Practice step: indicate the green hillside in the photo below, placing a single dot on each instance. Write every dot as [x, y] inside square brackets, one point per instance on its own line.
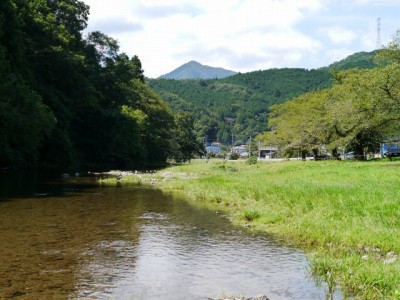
[235, 107]
[361, 60]
[230, 109]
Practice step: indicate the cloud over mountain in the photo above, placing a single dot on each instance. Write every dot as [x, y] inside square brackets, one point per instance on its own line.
[243, 34]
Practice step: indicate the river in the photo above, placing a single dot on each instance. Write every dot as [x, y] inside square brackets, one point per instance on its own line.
[70, 238]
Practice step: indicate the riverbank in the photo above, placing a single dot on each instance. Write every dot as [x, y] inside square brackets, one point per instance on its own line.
[345, 214]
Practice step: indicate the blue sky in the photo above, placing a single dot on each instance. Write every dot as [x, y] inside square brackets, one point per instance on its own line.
[243, 35]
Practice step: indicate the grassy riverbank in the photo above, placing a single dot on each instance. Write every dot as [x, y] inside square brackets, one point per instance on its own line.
[346, 214]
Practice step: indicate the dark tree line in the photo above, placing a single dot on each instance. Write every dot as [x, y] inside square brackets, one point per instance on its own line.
[70, 100]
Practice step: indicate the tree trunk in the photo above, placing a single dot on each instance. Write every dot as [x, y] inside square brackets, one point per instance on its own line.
[335, 154]
[303, 155]
[359, 152]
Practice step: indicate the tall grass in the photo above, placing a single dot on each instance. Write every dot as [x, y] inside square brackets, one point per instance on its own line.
[346, 215]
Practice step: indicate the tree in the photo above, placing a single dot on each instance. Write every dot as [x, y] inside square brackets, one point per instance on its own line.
[364, 107]
[358, 112]
[245, 98]
[300, 124]
[186, 146]
[24, 123]
[25, 120]
[390, 53]
[66, 100]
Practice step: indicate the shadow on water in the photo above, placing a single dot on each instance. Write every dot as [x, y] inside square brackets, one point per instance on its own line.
[27, 184]
[85, 241]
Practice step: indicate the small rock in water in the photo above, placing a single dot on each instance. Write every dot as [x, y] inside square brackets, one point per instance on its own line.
[259, 297]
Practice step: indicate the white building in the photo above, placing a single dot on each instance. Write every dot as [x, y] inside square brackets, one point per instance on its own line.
[241, 150]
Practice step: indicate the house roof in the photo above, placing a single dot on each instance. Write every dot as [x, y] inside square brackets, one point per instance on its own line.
[268, 149]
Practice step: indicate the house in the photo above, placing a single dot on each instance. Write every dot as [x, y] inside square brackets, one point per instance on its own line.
[213, 149]
[267, 152]
[241, 150]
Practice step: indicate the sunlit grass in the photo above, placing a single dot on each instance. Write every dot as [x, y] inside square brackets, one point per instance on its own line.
[346, 215]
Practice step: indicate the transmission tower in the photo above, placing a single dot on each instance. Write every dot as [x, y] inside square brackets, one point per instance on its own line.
[378, 34]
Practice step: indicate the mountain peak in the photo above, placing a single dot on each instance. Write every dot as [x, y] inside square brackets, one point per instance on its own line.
[195, 70]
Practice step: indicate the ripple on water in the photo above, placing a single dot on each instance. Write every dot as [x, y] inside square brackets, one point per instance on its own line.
[106, 243]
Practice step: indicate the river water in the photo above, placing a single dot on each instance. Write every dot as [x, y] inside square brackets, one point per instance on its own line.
[73, 239]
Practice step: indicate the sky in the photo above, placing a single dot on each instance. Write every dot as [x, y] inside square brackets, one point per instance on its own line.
[244, 35]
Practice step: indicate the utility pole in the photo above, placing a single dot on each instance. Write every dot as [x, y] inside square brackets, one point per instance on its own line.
[250, 142]
[378, 34]
[250, 147]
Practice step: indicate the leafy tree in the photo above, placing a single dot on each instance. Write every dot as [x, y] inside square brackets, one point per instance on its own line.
[364, 107]
[186, 145]
[159, 124]
[390, 53]
[137, 67]
[67, 100]
[24, 120]
[300, 124]
[127, 146]
[361, 110]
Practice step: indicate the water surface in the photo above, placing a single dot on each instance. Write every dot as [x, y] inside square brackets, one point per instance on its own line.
[72, 239]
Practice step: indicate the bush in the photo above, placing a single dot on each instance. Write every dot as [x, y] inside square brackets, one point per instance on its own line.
[233, 156]
[252, 160]
[251, 215]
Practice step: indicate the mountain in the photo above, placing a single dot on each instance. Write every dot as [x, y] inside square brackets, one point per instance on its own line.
[195, 70]
[234, 107]
[361, 60]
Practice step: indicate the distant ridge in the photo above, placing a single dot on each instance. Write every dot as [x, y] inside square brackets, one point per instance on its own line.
[230, 108]
[195, 70]
[361, 60]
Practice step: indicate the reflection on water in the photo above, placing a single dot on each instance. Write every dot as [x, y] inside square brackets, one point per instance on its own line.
[73, 239]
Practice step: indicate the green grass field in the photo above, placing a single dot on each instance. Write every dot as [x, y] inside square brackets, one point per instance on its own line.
[344, 214]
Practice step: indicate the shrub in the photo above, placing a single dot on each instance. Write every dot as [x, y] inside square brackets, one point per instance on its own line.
[252, 160]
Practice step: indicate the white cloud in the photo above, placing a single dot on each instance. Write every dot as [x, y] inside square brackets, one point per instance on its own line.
[339, 35]
[105, 9]
[377, 2]
[165, 10]
[253, 31]
[339, 54]
[242, 35]
[117, 25]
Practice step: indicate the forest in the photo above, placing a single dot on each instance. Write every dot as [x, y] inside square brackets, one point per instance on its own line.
[359, 112]
[69, 100]
[231, 109]
[73, 100]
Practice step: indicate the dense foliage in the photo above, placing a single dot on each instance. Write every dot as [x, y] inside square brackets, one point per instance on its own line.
[360, 60]
[186, 145]
[360, 111]
[229, 110]
[68, 100]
